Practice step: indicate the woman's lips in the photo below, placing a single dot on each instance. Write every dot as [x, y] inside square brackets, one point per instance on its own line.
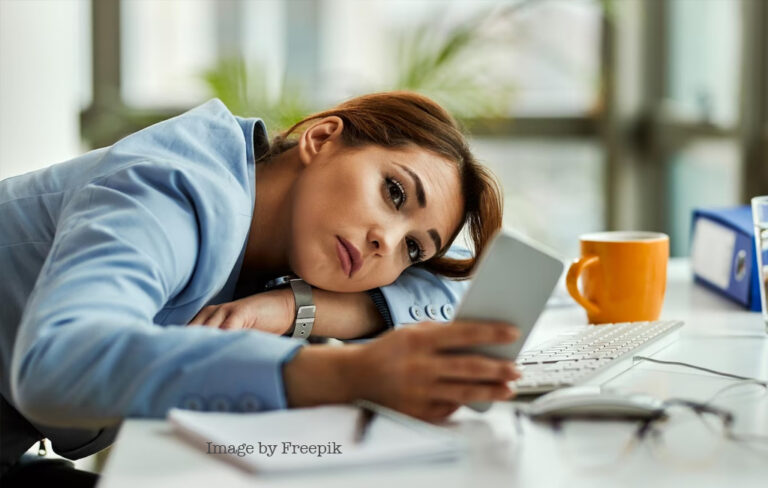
[349, 256]
[344, 257]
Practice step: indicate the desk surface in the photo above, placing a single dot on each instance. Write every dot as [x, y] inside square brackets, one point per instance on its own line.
[717, 334]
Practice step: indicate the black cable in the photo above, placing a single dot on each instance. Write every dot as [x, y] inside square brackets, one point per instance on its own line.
[701, 368]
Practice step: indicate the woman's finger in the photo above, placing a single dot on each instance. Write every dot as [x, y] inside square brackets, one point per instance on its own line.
[431, 411]
[201, 317]
[463, 392]
[232, 322]
[474, 367]
[463, 334]
[440, 410]
[218, 318]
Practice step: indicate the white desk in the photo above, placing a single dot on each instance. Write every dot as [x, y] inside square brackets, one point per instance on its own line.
[717, 334]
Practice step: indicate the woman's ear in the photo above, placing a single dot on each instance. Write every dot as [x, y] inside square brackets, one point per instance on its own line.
[318, 136]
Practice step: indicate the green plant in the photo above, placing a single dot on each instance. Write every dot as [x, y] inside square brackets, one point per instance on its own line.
[443, 65]
[247, 94]
[441, 62]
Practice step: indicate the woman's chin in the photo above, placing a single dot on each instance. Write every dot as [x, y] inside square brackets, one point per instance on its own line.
[336, 286]
[322, 279]
[333, 279]
[339, 285]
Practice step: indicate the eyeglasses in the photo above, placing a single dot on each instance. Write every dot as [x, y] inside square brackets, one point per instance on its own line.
[688, 433]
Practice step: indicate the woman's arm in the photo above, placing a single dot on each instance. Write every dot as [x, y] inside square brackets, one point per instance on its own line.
[338, 315]
[87, 351]
[347, 315]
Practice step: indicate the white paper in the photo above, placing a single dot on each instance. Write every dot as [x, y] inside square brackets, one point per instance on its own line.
[712, 252]
[386, 441]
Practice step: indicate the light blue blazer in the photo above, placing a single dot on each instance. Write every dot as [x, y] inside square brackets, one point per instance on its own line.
[105, 257]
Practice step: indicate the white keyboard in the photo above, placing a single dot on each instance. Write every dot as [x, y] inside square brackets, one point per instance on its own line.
[596, 352]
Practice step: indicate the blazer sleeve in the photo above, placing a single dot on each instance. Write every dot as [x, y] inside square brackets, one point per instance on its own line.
[88, 353]
[419, 295]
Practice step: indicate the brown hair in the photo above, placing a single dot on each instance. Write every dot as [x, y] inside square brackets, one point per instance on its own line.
[400, 118]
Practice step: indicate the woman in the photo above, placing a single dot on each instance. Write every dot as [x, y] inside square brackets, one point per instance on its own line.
[104, 254]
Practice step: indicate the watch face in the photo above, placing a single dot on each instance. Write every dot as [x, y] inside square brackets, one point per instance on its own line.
[279, 282]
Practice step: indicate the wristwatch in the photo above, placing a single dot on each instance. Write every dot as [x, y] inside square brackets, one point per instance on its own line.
[305, 306]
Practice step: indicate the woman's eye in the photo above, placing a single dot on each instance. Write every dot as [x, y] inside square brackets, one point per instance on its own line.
[396, 192]
[398, 196]
[415, 252]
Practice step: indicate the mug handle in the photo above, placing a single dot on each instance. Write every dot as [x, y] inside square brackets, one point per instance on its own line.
[572, 282]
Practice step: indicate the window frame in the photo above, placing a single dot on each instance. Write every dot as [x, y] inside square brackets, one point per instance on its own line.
[637, 143]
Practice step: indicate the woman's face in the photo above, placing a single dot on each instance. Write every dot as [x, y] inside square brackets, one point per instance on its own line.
[395, 207]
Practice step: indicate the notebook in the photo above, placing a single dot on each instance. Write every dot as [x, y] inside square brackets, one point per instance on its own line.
[314, 438]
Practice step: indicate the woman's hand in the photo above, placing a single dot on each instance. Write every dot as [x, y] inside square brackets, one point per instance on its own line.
[415, 370]
[271, 311]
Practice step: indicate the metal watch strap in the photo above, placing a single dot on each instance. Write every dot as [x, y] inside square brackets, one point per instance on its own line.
[305, 309]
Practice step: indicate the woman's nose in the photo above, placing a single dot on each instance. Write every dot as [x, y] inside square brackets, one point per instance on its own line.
[382, 242]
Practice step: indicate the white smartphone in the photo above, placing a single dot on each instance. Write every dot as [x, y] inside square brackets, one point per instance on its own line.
[513, 280]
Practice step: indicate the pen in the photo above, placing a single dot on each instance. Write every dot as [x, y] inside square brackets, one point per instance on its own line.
[364, 420]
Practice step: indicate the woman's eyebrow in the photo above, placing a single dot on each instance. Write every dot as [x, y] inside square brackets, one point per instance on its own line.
[436, 239]
[422, 198]
[417, 183]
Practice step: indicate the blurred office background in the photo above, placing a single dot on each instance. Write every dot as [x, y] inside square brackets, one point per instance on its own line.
[622, 114]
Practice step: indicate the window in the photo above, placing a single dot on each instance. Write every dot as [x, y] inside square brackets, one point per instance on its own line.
[596, 114]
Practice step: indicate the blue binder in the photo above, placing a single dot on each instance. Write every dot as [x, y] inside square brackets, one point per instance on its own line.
[736, 276]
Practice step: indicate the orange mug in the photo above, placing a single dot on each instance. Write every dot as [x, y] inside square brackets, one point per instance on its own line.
[624, 275]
